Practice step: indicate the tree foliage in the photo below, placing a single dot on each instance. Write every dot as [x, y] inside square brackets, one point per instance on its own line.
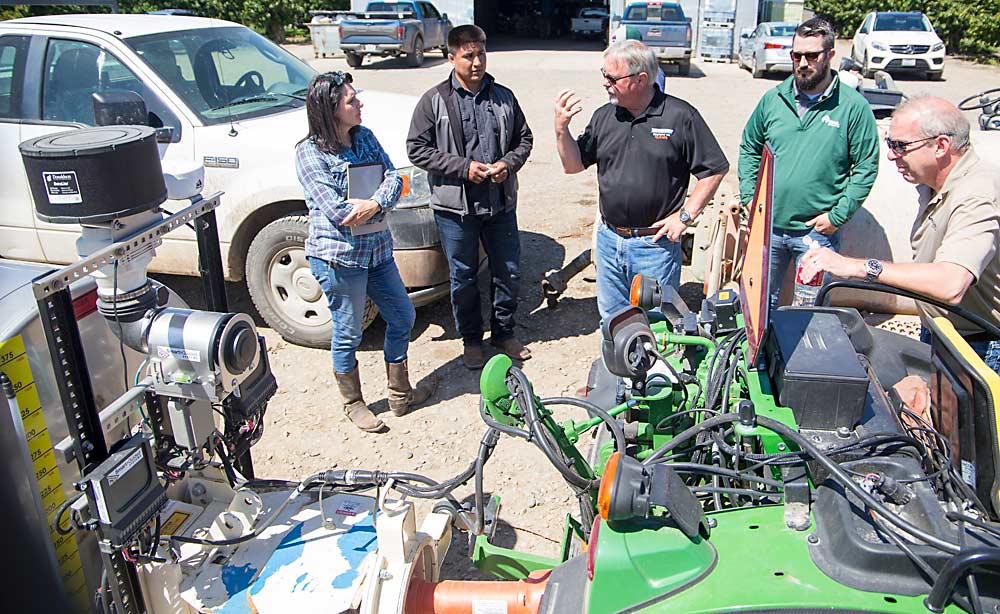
[269, 17]
[966, 26]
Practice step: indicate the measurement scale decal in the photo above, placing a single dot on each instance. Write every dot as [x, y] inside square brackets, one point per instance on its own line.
[14, 363]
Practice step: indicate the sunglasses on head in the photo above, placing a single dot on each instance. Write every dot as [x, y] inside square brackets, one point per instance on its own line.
[339, 78]
[810, 56]
[902, 147]
[613, 80]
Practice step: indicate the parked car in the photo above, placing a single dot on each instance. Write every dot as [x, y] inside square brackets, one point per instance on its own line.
[898, 42]
[663, 27]
[392, 29]
[590, 22]
[222, 95]
[767, 48]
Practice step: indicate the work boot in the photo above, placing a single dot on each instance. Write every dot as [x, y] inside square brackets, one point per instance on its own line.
[402, 396]
[513, 348]
[472, 356]
[354, 404]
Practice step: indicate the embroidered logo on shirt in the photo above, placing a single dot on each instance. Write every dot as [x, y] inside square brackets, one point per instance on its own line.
[661, 134]
[830, 122]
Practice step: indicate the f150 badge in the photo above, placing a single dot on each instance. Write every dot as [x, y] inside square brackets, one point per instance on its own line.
[221, 161]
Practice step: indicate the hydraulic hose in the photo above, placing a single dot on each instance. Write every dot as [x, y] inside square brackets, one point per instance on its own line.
[687, 434]
[616, 429]
[954, 569]
[841, 476]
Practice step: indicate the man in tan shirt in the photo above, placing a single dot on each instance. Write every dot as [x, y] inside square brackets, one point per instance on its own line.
[956, 233]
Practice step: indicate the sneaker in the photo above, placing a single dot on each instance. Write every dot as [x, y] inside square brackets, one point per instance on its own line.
[513, 348]
[472, 356]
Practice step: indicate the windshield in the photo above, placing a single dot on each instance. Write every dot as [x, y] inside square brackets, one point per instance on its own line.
[782, 30]
[390, 7]
[653, 12]
[901, 22]
[226, 73]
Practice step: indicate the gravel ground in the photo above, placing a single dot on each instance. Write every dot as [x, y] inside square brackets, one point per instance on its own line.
[306, 430]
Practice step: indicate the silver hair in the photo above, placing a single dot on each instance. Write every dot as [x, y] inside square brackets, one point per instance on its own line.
[636, 56]
[935, 116]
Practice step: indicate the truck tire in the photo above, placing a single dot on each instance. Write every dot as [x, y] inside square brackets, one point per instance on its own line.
[354, 59]
[415, 58]
[444, 52]
[283, 289]
[684, 68]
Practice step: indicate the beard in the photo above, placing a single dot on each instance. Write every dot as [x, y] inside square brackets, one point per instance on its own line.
[808, 78]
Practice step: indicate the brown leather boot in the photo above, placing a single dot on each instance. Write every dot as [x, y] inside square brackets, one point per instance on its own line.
[354, 403]
[402, 396]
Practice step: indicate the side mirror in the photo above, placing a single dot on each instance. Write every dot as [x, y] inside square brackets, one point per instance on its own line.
[119, 108]
[746, 32]
[444, 16]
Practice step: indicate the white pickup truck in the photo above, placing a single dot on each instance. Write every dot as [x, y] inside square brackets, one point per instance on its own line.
[219, 94]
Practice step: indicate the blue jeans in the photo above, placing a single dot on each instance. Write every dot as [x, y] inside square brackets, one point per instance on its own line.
[619, 259]
[346, 289]
[460, 238]
[989, 351]
[787, 245]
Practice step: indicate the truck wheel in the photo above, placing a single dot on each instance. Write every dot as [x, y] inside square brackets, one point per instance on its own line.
[684, 68]
[444, 52]
[283, 289]
[416, 57]
[354, 59]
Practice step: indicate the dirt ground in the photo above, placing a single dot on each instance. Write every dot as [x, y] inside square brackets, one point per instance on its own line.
[306, 430]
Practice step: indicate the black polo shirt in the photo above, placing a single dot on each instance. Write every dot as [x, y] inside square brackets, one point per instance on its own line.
[645, 163]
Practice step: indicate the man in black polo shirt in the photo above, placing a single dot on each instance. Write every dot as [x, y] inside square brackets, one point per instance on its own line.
[646, 145]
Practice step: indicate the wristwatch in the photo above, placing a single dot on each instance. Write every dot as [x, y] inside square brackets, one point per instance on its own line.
[685, 217]
[873, 268]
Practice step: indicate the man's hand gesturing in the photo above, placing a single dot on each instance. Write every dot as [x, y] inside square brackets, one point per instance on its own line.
[567, 105]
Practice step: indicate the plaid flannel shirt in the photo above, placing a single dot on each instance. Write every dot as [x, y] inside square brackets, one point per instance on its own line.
[324, 179]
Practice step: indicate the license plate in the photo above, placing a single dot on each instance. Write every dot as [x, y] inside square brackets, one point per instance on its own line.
[910, 62]
[371, 48]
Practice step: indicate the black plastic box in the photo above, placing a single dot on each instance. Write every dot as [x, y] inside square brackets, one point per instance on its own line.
[815, 369]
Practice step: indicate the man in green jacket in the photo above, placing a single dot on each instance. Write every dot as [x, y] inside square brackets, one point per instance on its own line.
[825, 147]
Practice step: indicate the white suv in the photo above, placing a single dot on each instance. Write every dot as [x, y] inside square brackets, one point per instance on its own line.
[222, 95]
[898, 42]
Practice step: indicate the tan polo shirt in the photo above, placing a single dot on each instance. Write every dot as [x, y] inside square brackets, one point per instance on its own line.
[961, 224]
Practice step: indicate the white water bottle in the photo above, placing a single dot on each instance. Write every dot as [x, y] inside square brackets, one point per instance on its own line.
[806, 290]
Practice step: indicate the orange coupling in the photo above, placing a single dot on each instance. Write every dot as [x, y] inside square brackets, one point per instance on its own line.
[466, 597]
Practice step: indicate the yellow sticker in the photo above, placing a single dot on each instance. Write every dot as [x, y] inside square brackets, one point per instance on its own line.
[14, 363]
[724, 295]
[174, 522]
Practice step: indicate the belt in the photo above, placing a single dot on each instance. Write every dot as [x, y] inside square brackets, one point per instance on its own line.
[630, 233]
[979, 338]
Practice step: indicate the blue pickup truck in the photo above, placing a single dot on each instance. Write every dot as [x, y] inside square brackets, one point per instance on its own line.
[664, 29]
[393, 29]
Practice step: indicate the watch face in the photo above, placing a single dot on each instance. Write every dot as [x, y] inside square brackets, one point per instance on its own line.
[684, 216]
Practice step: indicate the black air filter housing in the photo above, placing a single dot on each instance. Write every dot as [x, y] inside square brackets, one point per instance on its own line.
[94, 175]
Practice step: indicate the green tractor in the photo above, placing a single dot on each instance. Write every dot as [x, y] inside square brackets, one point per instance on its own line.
[747, 461]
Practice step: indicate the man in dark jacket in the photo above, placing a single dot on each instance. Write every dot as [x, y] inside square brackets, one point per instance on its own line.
[471, 137]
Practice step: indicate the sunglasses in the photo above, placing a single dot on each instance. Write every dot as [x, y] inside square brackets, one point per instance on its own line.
[339, 78]
[810, 56]
[900, 148]
[613, 80]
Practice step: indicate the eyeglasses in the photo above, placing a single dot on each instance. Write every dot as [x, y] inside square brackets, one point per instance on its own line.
[900, 147]
[339, 78]
[613, 80]
[810, 56]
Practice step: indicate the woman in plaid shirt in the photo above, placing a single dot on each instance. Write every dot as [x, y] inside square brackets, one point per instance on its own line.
[349, 265]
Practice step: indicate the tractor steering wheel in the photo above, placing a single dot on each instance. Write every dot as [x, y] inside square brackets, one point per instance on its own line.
[966, 105]
[251, 82]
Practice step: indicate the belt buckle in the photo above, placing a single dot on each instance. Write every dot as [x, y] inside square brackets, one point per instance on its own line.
[633, 233]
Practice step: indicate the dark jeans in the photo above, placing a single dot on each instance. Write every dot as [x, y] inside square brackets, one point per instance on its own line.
[460, 238]
[989, 351]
